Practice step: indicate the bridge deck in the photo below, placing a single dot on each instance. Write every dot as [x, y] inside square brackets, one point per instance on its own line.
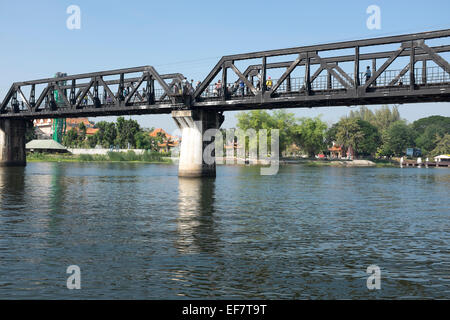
[311, 76]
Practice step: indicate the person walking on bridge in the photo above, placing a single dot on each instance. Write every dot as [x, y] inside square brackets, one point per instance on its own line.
[368, 74]
[219, 88]
[269, 84]
[242, 87]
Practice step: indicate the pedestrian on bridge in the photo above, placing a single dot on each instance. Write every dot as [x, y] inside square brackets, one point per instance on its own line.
[219, 88]
[242, 87]
[368, 74]
[269, 84]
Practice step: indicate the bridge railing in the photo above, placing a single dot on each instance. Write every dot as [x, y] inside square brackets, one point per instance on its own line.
[121, 89]
[331, 73]
[433, 75]
[308, 76]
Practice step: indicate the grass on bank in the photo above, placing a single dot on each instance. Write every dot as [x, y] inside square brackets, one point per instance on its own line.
[129, 156]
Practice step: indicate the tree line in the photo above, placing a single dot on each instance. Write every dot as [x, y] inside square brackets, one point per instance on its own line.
[379, 133]
[123, 134]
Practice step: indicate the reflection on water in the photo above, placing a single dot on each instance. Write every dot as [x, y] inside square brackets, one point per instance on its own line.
[139, 231]
[196, 221]
[12, 184]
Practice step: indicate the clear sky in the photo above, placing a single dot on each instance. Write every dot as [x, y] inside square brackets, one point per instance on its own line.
[190, 37]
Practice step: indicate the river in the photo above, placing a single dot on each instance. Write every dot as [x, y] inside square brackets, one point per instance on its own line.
[137, 231]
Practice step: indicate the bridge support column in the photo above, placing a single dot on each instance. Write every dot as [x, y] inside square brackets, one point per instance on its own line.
[193, 124]
[12, 142]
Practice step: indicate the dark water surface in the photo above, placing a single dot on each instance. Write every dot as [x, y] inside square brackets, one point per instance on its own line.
[138, 231]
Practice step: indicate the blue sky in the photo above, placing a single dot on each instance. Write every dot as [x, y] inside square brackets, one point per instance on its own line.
[191, 36]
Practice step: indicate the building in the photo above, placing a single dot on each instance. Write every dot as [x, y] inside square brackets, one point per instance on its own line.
[335, 151]
[168, 142]
[47, 145]
[44, 127]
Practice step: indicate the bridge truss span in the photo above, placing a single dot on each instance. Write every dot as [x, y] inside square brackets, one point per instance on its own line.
[137, 90]
[407, 68]
[322, 75]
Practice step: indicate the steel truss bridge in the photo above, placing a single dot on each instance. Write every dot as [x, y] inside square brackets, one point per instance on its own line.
[407, 68]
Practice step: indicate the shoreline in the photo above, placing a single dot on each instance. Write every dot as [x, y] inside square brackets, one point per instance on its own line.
[157, 159]
[116, 157]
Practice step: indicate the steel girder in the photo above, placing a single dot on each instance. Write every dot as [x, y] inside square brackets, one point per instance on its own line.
[350, 88]
[80, 94]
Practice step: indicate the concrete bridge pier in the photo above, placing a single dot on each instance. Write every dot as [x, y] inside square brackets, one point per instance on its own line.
[193, 124]
[12, 142]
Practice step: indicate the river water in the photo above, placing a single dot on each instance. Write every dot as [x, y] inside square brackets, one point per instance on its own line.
[137, 231]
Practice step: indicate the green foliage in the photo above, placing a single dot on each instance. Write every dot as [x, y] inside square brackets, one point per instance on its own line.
[144, 141]
[427, 140]
[85, 157]
[427, 131]
[396, 135]
[421, 125]
[106, 135]
[363, 137]
[396, 139]
[81, 133]
[310, 135]
[330, 134]
[147, 156]
[372, 139]
[30, 134]
[260, 119]
[123, 134]
[382, 118]
[442, 145]
[126, 132]
[153, 156]
[71, 139]
[91, 141]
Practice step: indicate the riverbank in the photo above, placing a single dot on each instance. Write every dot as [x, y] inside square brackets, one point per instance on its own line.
[343, 163]
[155, 157]
[130, 156]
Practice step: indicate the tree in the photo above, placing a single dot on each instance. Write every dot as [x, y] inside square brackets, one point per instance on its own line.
[384, 117]
[442, 145]
[381, 118]
[144, 141]
[126, 131]
[310, 135]
[81, 132]
[30, 133]
[106, 134]
[396, 139]
[260, 119]
[427, 129]
[70, 139]
[363, 113]
[363, 137]
[372, 139]
[426, 141]
[285, 122]
[92, 141]
[330, 135]
[420, 125]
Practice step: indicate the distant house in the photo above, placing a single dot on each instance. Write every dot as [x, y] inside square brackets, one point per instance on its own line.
[335, 151]
[168, 143]
[91, 131]
[442, 158]
[75, 123]
[44, 127]
[47, 146]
